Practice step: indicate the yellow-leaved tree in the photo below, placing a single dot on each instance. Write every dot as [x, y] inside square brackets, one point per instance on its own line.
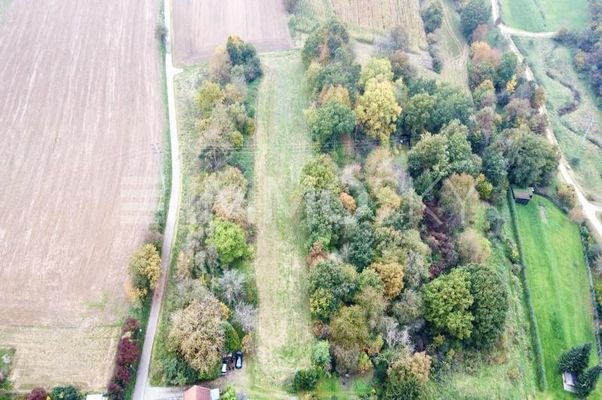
[377, 109]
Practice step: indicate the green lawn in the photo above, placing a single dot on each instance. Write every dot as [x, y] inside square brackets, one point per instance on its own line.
[545, 15]
[558, 281]
[547, 57]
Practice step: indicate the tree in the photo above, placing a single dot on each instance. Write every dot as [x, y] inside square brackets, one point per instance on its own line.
[322, 216]
[231, 286]
[531, 159]
[575, 360]
[208, 96]
[506, 69]
[320, 173]
[220, 66]
[145, 268]
[324, 41]
[376, 68]
[418, 114]
[586, 383]
[377, 109]
[459, 199]
[229, 241]
[360, 245]
[391, 275]
[432, 16]
[447, 302]
[245, 316]
[473, 247]
[475, 13]
[484, 94]
[65, 393]
[331, 283]
[489, 307]
[332, 120]
[197, 334]
[567, 195]
[244, 54]
[349, 327]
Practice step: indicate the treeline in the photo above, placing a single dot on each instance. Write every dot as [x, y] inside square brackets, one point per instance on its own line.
[212, 302]
[400, 281]
[587, 57]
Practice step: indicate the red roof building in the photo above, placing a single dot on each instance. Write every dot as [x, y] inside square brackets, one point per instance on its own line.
[201, 393]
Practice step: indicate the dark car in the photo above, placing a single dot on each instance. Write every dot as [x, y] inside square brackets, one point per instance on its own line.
[238, 357]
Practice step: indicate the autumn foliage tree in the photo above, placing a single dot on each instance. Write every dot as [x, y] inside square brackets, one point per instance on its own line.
[377, 109]
[196, 332]
[145, 268]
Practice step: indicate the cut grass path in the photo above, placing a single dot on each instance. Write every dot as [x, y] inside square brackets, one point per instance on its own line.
[559, 286]
[282, 146]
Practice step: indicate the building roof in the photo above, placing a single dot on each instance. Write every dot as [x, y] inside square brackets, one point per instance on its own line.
[568, 381]
[201, 393]
[522, 194]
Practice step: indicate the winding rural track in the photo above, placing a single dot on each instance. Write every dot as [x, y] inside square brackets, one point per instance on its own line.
[590, 210]
[142, 375]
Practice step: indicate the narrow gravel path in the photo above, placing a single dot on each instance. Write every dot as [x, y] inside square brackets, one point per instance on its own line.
[142, 379]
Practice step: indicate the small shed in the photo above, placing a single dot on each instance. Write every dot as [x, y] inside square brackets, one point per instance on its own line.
[197, 392]
[522, 196]
[569, 382]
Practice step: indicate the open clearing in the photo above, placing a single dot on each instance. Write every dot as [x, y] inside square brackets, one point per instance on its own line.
[201, 26]
[79, 179]
[559, 285]
[578, 131]
[282, 148]
[545, 15]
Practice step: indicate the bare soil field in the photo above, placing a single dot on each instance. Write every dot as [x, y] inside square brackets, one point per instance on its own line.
[82, 121]
[380, 15]
[202, 25]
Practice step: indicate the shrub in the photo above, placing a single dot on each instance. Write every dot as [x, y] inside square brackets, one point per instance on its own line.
[305, 379]
[575, 360]
[65, 393]
[37, 394]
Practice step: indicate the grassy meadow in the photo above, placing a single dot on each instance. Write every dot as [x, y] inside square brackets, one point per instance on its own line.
[545, 15]
[552, 66]
[559, 286]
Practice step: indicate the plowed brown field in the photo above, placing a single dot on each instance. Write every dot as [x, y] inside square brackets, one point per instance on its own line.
[80, 131]
[202, 25]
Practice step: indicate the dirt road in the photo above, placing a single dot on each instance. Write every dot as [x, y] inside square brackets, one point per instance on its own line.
[80, 159]
[590, 210]
[142, 381]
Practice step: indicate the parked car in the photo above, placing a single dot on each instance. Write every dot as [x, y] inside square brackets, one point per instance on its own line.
[238, 357]
[224, 366]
